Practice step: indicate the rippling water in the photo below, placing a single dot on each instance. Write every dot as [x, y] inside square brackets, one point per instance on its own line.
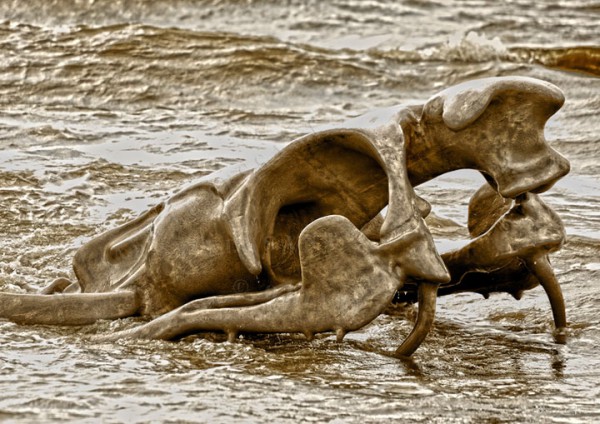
[106, 107]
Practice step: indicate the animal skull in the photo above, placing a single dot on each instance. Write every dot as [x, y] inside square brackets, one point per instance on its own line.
[290, 230]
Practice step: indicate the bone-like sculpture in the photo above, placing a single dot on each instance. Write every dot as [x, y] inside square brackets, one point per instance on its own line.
[292, 226]
[509, 252]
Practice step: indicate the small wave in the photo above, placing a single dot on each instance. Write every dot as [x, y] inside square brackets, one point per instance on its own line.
[476, 48]
[577, 58]
[52, 403]
[472, 47]
[584, 246]
[100, 68]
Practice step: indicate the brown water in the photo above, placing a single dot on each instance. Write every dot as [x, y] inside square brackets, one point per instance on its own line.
[106, 107]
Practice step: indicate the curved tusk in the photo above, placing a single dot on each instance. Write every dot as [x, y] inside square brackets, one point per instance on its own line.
[541, 268]
[67, 309]
[425, 317]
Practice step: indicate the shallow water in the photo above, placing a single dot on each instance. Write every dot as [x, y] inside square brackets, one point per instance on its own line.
[107, 107]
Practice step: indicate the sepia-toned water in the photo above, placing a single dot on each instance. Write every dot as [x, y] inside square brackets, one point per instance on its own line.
[108, 107]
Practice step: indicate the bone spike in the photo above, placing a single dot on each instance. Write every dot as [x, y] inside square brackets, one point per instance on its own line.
[310, 336]
[339, 334]
[232, 336]
[425, 317]
[517, 294]
[541, 268]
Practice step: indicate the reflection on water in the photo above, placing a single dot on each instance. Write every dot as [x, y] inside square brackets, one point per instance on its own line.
[108, 107]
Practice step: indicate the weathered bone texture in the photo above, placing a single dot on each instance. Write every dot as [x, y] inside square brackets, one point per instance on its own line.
[520, 242]
[279, 248]
[508, 253]
[339, 265]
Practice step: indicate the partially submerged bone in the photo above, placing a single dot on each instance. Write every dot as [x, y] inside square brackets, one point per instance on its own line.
[532, 244]
[67, 309]
[509, 252]
[225, 237]
[347, 281]
[252, 228]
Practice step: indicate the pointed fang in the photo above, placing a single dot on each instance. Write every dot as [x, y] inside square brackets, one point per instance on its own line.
[425, 317]
[339, 334]
[541, 268]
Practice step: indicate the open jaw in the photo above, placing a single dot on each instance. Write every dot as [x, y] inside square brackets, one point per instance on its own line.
[535, 231]
[508, 253]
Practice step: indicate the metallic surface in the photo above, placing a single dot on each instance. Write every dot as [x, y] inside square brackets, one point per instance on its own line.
[316, 194]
